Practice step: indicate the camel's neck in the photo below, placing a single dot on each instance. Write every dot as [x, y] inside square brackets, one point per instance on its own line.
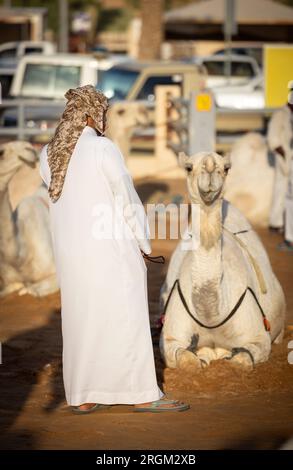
[8, 243]
[206, 268]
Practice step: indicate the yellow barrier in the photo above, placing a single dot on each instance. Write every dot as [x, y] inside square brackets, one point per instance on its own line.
[278, 72]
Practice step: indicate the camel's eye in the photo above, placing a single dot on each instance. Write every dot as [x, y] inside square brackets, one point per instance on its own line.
[188, 167]
[226, 169]
[1, 154]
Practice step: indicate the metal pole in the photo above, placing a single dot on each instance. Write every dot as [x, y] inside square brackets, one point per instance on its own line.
[63, 25]
[21, 123]
[229, 29]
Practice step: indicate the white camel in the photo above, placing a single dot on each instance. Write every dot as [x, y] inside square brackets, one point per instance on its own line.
[249, 185]
[227, 302]
[122, 119]
[26, 255]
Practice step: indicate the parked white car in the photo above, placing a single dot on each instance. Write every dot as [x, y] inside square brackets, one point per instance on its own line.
[254, 50]
[243, 89]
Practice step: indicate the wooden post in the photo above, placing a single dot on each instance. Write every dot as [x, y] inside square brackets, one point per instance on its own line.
[165, 157]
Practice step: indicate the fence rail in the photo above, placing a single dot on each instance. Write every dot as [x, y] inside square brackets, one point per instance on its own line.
[24, 106]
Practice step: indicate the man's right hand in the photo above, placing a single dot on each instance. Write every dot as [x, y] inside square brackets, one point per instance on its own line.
[280, 151]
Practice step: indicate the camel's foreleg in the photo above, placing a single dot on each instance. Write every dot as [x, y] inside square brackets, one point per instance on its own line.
[206, 354]
[178, 340]
[252, 353]
[46, 286]
[178, 353]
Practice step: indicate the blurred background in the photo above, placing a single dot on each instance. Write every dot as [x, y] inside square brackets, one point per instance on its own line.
[130, 48]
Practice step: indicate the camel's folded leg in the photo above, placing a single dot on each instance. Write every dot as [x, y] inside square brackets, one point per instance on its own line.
[46, 286]
[252, 353]
[206, 354]
[177, 355]
[177, 340]
[13, 287]
[280, 337]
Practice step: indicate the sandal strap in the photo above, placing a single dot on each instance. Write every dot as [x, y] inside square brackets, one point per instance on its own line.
[163, 401]
[76, 409]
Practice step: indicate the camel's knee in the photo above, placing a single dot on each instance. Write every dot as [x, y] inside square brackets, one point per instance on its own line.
[173, 352]
[243, 359]
[251, 354]
[187, 360]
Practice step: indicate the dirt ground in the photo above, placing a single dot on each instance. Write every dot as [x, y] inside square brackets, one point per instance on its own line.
[230, 408]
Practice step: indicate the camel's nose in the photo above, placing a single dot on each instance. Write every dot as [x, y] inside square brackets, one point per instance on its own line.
[209, 163]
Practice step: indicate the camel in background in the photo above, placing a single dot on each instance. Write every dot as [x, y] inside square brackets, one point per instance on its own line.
[122, 119]
[26, 254]
[249, 185]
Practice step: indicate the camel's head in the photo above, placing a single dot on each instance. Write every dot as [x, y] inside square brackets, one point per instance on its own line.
[130, 114]
[206, 174]
[12, 156]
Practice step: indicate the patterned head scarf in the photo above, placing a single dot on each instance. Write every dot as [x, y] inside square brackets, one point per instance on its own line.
[82, 102]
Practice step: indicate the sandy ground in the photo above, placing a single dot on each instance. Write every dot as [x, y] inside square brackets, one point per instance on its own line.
[230, 408]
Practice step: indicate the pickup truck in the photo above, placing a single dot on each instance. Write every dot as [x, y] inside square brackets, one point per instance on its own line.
[137, 80]
[12, 52]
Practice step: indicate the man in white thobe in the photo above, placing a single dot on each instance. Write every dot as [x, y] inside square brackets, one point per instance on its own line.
[107, 346]
[287, 244]
[279, 140]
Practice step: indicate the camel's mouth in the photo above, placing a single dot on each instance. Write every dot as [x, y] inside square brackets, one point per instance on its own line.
[210, 195]
[31, 163]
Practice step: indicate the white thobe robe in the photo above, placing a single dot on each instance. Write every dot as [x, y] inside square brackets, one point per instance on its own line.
[289, 207]
[280, 135]
[107, 346]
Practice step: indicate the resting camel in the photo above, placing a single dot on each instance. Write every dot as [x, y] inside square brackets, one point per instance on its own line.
[26, 255]
[222, 299]
[249, 185]
[122, 119]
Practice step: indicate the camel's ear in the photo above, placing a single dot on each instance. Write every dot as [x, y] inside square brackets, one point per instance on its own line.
[121, 111]
[227, 162]
[184, 162]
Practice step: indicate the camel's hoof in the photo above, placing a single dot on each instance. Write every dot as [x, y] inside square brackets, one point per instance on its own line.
[187, 360]
[23, 291]
[242, 359]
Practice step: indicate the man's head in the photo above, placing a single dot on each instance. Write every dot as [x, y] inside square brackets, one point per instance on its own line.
[88, 102]
[91, 123]
[85, 106]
